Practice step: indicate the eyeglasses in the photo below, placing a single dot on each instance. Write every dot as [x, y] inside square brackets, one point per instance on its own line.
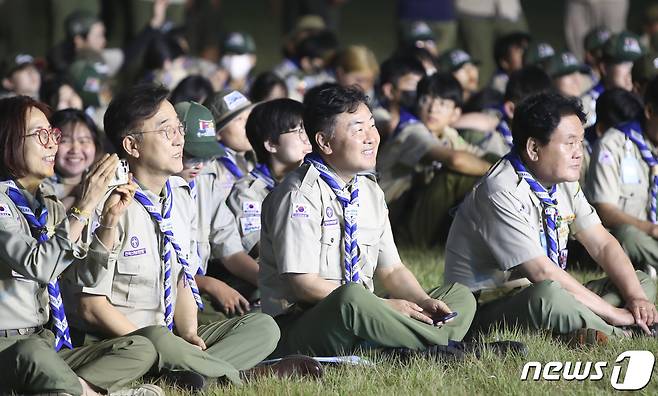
[300, 131]
[168, 130]
[45, 135]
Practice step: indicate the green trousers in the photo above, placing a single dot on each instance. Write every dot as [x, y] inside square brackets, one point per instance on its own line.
[232, 345]
[429, 217]
[641, 248]
[31, 365]
[546, 305]
[352, 316]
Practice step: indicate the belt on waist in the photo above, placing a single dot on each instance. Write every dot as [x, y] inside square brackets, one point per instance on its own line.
[23, 331]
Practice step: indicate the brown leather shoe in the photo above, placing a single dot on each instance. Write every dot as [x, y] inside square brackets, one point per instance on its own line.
[289, 366]
[583, 337]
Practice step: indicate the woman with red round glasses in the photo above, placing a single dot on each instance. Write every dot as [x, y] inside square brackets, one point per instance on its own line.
[38, 241]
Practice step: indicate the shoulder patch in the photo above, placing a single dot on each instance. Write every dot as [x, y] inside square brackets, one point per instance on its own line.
[605, 157]
[4, 211]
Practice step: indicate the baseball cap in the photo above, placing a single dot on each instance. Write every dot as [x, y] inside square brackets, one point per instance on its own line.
[622, 47]
[416, 31]
[16, 62]
[537, 53]
[454, 59]
[226, 105]
[564, 63]
[200, 140]
[88, 78]
[596, 38]
[239, 43]
[79, 22]
[646, 67]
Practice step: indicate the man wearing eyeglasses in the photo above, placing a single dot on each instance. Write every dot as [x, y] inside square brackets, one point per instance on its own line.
[150, 288]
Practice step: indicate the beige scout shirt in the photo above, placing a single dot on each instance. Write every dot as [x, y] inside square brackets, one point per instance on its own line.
[26, 267]
[217, 232]
[618, 175]
[400, 155]
[499, 226]
[135, 282]
[245, 202]
[302, 232]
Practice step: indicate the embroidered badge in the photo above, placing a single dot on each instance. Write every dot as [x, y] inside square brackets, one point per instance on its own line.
[251, 208]
[136, 251]
[605, 158]
[4, 211]
[300, 211]
[330, 218]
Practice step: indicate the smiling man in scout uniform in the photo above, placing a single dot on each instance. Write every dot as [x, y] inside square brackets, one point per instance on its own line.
[223, 239]
[325, 234]
[515, 225]
[150, 288]
[623, 183]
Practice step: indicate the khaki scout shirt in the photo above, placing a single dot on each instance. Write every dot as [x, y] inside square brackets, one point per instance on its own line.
[400, 155]
[217, 232]
[26, 267]
[134, 284]
[245, 202]
[499, 226]
[302, 232]
[618, 175]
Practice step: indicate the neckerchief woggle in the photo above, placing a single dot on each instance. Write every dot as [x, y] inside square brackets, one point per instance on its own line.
[166, 228]
[38, 228]
[548, 203]
[350, 203]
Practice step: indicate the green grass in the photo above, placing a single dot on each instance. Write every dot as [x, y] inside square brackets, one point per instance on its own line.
[491, 376]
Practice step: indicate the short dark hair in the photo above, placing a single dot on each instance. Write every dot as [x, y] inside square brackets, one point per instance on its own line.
[194, 88]
[13, 126]
[63, 118]
[503, 44]
[538, 115]
[317, 45]
[486, 99]
[322, 106]
[269, 120]
[263, 85]
[49, 90]
[441, 85]
[128, 110]
[394, 68]
[525, 82]
[651, 94]
[616, 106]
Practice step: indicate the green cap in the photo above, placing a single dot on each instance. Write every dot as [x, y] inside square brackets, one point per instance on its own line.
[563, 63]
[88, 78]
[416, 31]
[200, 138]
[226, 105]
[239, 43]
[645, 68]
[622, 47]
[16, 62]
[454, 59]
[79, 23]
[596, 38]
[537, 53]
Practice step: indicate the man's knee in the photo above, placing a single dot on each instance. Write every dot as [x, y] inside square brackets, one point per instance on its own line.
[547, 297]
[31, 350]
[266, 325]
[141, 346]
[648, 284]
[156, 335]
[350, 293]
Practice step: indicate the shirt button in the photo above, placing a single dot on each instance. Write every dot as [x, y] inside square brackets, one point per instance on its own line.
[332, 240]
[41, 310]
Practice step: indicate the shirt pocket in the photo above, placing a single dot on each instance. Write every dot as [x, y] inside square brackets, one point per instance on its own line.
[331, 258]
[368, 241]
[125, 282]
[634, 199]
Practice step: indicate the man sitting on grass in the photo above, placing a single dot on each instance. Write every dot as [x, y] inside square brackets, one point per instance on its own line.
[516, 222]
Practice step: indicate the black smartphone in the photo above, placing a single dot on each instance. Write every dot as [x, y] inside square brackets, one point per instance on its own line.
[445, 318]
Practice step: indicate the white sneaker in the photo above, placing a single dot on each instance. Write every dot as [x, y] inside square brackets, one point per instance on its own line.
[142, 390]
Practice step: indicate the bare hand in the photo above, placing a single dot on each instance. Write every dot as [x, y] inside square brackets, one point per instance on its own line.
[231, 300]
[119, 200]
[644, 313]
[620, 317]
[95, 183]
[409, 309]
[435, 309]
[194, 339]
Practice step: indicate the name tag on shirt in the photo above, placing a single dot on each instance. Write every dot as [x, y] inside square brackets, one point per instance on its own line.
[630, 170]
[250, 224]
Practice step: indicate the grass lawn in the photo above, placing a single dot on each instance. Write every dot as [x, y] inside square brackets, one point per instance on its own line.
[489, 375]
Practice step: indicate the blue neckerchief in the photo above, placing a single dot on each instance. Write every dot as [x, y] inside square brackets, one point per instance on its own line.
[350, 203]
[228, 160]
[39, 231]
[262, 172]
[406, 118]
